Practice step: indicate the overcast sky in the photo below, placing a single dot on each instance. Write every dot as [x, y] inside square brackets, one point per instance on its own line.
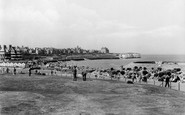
[143, 26]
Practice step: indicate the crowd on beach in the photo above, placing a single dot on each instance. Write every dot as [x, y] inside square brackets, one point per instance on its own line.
[142, 74]
[135, 74]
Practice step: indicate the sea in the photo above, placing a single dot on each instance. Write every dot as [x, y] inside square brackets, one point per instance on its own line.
[116, 63]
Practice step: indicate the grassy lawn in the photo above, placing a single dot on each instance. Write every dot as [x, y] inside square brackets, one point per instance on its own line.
[54, 95]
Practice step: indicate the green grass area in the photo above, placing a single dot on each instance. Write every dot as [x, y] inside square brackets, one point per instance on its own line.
[54, 95]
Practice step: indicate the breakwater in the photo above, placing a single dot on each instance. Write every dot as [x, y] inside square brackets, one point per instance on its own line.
[90, 57]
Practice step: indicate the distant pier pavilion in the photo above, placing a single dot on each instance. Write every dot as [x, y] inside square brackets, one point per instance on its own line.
[129, 55]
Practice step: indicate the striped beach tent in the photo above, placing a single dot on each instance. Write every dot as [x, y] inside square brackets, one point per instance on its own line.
[23, 65]
[3, 64]
[14, 64]
[19, 64]
[11, 64]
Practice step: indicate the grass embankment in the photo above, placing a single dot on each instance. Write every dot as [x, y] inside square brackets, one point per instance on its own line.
[46, 95]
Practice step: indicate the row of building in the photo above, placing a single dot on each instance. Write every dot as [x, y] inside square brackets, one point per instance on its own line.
[9, 53]
[16, 53]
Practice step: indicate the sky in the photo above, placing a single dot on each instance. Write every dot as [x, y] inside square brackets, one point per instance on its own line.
[143, 26]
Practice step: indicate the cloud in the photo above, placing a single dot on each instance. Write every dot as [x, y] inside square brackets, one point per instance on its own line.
[167, 31]
[59, 23]
[163, 40]
[54, 20]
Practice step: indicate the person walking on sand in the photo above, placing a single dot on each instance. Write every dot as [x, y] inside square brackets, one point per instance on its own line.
[75, 74]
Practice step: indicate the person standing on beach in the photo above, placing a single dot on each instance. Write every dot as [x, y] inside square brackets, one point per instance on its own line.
[75, 74]
[139, 75]
[167, 79]
[145, 73]
[14, 71]
[133, 77]
[30, 72]
[84, 74]
[51, 72]
[7, 70]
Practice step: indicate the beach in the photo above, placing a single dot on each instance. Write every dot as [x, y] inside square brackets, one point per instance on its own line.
[51, 91]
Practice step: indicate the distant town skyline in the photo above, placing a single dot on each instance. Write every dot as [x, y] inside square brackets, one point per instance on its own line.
[143, 26]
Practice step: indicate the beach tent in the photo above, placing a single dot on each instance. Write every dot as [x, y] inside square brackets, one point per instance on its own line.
[23, 64]
[14, 64]
[19, 64]
[11, 64]
[3, 64]
[7, 64]
[48, 64]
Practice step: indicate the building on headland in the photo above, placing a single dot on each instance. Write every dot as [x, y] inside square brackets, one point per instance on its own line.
[104, 50]
[129, 55]
[10, 53]
[15, 54]
[2, 53]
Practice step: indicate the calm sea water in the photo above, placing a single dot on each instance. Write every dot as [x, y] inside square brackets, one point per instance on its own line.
[116, 63]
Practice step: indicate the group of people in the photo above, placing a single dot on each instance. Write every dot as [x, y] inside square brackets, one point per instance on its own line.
[8, 70]
[136, 74]
[143, 74]
[75, 74]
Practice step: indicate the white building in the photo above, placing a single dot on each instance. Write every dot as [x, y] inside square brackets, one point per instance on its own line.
[129, 55]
